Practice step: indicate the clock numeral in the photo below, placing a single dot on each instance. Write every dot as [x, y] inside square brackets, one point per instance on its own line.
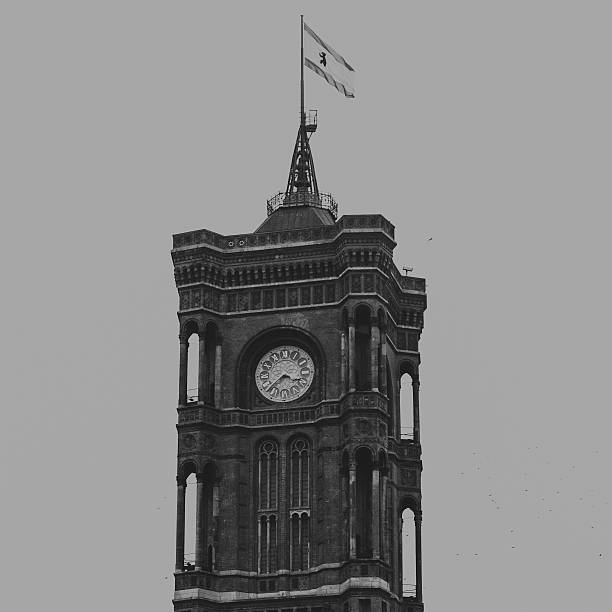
[265, 384]
[266, 365]
[302, 361]
[274, 357]
[284, 393]
[284, 354]
[294, 390]
[302, 382]
[294, 355]
[274, 392]
[264, 375]
[305, 371]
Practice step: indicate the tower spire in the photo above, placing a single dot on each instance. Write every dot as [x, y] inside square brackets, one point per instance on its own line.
[302, 183]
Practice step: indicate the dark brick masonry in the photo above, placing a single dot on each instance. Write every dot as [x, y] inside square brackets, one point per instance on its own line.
[300, 502]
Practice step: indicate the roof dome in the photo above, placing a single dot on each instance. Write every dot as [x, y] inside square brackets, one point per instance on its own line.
[295, 217]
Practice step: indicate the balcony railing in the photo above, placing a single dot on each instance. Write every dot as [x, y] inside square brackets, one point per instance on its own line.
[322, 200]
[189, 562]
[408, 589]
[407, 433]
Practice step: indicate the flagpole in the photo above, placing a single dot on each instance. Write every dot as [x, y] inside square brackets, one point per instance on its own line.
[302, 117]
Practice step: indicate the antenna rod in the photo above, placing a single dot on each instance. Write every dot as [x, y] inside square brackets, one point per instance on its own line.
[302, 117]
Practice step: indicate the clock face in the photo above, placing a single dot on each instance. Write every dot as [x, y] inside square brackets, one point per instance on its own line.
[284, 374]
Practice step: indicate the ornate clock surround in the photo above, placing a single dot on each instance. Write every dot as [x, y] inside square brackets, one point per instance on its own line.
[250, 396]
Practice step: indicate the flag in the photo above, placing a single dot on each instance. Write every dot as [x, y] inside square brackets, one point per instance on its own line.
[321, 57]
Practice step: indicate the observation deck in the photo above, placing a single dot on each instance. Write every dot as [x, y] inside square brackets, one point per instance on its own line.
[303, 198]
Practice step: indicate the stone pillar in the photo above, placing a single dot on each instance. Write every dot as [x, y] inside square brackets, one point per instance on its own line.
[184, 345]
[180, 525]
[343, 363]
[259, 544]
[201, 369]
[374, 347]
[218, 390]
[352, 510]
[376, 510]
[200, 523]
[384, 527]
[415, 408]
[351, 354]
[215, 518]
[418, 516]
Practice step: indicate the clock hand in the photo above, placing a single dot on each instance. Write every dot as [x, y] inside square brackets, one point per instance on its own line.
[277, 381]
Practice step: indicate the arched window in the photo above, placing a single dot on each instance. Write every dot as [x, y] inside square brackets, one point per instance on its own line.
[406, 407]
[193, 364]
[267, 528]
[299, 502]
[190, 521]
[363, 519]
[408, 560]
[362, 349]
[300, 541]
[300, 474]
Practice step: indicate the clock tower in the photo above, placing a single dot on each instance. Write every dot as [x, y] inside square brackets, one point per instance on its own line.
[299, 456]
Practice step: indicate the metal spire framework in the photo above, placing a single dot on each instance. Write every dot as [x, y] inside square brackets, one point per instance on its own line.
[302, 188]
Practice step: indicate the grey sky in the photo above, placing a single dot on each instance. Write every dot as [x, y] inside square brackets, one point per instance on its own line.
[483, 125]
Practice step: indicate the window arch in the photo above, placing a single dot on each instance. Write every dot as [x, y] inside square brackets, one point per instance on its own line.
[299, 493]
[268, 475]
[299, 503]
[267, 514]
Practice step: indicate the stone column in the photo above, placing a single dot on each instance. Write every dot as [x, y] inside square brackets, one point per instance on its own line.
[201, 369]
[415, 408]
[418, 516]
[351, 354]
[218, 390]
[384, 527]
[374, 346]
[376, 510]
[200, 523]
[352, 509]
[184, 345]
[343, 363]
[180, 525]
[215, 518]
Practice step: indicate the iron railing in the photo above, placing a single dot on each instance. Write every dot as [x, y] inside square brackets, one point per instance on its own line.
[408, 589]
[407, 433]
[303, 198]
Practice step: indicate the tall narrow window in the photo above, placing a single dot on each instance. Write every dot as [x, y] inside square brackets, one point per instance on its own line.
[406, 407]
[190, 521]
[299, 501]
[408, 554]
[267, 508]
[300, 474]
[193, 364]
[300, 541]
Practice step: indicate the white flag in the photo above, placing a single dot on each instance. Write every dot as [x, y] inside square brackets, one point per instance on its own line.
[329, 64]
